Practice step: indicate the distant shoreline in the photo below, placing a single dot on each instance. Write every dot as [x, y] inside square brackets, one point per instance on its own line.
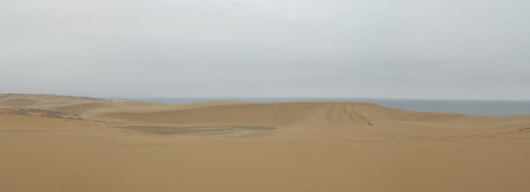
[468, 107]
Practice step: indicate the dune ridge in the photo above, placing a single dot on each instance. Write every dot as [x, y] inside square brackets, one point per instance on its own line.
[344, 120]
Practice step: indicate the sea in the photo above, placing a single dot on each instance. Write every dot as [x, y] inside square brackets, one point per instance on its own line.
[469, 107]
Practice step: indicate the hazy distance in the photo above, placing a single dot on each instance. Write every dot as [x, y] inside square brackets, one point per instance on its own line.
[376, 49]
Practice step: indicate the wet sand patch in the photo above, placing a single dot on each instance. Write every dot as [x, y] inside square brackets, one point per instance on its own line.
[41, 113]
[199, 130]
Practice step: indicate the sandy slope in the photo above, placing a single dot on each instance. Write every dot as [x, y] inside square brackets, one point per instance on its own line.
[52, 143]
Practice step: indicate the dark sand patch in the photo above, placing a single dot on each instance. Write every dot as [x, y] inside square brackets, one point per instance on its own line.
[19, 102]
[525, 130]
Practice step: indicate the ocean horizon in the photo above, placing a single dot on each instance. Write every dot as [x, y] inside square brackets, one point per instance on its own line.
[468, 107]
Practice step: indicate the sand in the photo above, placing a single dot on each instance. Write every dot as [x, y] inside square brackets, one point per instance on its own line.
[53, 143]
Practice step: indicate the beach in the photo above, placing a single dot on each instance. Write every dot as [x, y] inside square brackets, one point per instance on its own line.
[57, 143]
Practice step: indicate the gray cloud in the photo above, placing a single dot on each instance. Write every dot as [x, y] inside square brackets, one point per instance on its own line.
[382, 49]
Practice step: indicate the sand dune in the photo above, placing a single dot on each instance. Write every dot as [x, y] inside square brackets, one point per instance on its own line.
[53, 143]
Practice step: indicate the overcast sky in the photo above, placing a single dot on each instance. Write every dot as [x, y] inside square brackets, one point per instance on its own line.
[424, 49]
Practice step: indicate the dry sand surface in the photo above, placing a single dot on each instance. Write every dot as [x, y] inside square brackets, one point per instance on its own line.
[53, 143]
